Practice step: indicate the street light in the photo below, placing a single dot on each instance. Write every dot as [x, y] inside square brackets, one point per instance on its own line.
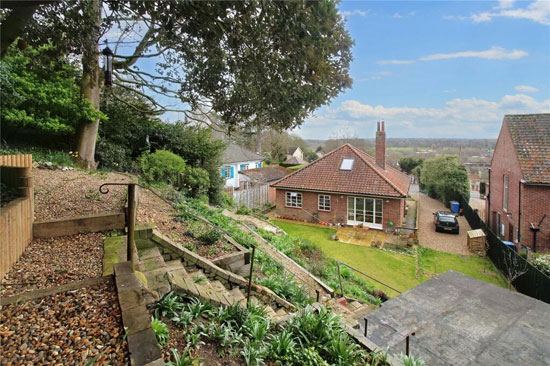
[108, 65]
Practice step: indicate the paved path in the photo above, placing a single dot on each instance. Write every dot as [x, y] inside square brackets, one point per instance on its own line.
[445, 242]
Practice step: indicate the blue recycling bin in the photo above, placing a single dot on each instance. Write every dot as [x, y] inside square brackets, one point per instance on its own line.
[455, 206]
[509, 244]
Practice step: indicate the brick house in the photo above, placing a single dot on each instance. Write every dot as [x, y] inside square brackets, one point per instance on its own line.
[518, 204]
[347, 187]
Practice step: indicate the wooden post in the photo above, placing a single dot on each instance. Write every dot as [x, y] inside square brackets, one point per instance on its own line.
[340, 279]
[131, 224]
[250, 277]
[366, 326]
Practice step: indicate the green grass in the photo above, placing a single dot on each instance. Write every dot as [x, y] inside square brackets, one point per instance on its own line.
[396, 270]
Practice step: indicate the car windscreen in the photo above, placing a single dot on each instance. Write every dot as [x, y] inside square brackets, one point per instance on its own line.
[447, 218]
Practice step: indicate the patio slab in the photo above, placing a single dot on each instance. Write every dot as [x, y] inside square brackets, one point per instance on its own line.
[361, 236]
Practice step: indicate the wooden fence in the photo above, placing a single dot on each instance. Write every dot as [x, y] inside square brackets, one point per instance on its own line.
[255, 197]
[16, 217]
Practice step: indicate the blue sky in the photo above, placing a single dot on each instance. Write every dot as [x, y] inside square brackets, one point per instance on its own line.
[440, 69]
[431, 68]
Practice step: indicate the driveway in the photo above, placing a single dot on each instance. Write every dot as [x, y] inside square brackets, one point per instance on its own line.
[427, 236]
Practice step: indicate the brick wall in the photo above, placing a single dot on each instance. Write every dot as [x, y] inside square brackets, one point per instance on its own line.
[535, 202]
[393, 209]
[505, 162]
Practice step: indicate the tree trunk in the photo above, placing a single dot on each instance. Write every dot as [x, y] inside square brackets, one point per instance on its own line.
[90, 88]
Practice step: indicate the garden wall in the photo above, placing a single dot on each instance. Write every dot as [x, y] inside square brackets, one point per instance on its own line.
[16, 217]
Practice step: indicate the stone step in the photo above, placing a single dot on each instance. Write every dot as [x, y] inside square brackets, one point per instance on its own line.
[354, 305]
[281, 312]
[362, 311]
[224, 296]
[270, 312]
[147, 253]
[174, 265]
[237, 294]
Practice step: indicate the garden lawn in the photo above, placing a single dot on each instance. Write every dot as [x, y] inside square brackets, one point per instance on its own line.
[395, 270]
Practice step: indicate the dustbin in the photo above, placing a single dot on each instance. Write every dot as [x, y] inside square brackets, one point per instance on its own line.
[455, 206]
[509, 244]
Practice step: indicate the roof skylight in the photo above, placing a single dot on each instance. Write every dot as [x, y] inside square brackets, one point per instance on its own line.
[347, 164]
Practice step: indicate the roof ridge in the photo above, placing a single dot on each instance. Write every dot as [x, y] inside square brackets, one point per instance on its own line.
[360, 153]
[309, 165]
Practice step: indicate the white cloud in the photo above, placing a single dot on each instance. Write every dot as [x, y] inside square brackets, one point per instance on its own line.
[493, 53]
[537, 11]
[395, 62]
[348, 13]
[526, 89]
[397, 16]
[376, 76]
[467, 118]
[448, 91]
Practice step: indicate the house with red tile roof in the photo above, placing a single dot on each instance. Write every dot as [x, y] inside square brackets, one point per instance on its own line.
[518, 204]
[347, 187]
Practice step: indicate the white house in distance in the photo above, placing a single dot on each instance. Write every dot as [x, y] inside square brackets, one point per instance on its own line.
[295, 155]
[235, 159]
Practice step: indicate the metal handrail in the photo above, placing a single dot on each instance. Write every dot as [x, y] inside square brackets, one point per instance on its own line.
[364, 274]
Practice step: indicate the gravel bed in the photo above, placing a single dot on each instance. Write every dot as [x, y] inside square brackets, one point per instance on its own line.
[68, 328]
[60, 193]
[428, 237]
[55, 261]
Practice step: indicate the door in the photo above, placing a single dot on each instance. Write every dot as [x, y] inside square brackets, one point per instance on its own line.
[365, 211]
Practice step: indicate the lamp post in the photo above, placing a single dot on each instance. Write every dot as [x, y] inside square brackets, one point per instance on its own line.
[108, 65]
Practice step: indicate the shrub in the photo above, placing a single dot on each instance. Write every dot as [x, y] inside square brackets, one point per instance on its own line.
[112, 156]
[161, 166]
[542, 263]
[194, 182]
[445, 178]
[243, 210]
[210, 236]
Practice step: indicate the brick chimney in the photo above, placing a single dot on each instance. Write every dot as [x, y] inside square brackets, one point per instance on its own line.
[381, 145]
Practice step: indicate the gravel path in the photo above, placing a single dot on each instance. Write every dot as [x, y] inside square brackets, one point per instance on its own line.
[427, 236]
[67, 328]
[60, 193]
[55, 261]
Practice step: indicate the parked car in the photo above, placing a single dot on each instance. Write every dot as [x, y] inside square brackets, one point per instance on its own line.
[446, 221]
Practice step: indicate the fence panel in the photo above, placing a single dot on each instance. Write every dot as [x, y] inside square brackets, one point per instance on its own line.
[533, 282]
[255, 197]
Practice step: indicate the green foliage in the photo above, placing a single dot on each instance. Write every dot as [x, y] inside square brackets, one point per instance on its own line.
[161, 167]
[195, 182]
[210, 236]
[287, 288]
[112, 156]
[169, 305]
[243, 210]
[161, 331]
[542, 263]
[445, 178]
[408, 164]
[410, 360]
[39, 91]
[184, 359]
[39, 154]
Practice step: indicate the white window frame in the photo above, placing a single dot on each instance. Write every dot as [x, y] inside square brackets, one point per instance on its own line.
[293, 199]
[323, 202]
[505, 192]
[227, 170]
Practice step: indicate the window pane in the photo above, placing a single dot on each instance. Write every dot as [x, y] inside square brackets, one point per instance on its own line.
[378, 220]
[369, 204]
[350, 204]
[369, 218]
[378, 205]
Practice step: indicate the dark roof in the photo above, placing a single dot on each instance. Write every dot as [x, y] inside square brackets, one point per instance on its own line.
[292, 150]
[365, 177]
[459, 320]
[235, 153]
[531, 137]
[266, 174]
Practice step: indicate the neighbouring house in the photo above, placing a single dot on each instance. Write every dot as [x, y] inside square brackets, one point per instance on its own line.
[453, 319]
[235, 160]
[347, 187]
[518, 206]
[264, 176]
[295, 156]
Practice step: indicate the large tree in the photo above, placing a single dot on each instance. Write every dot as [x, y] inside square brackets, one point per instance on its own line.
[248, 61]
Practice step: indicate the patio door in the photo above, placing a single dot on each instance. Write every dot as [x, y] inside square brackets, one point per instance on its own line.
[366, 211]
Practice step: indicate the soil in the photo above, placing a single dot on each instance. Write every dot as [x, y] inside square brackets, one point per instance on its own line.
[60, 193]
[55, 261]
[209, 354]
[68, 328]
[7, 195]
[215, 250]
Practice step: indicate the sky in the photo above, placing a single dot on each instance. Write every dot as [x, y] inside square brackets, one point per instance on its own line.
[440, 69]
[432, 69]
